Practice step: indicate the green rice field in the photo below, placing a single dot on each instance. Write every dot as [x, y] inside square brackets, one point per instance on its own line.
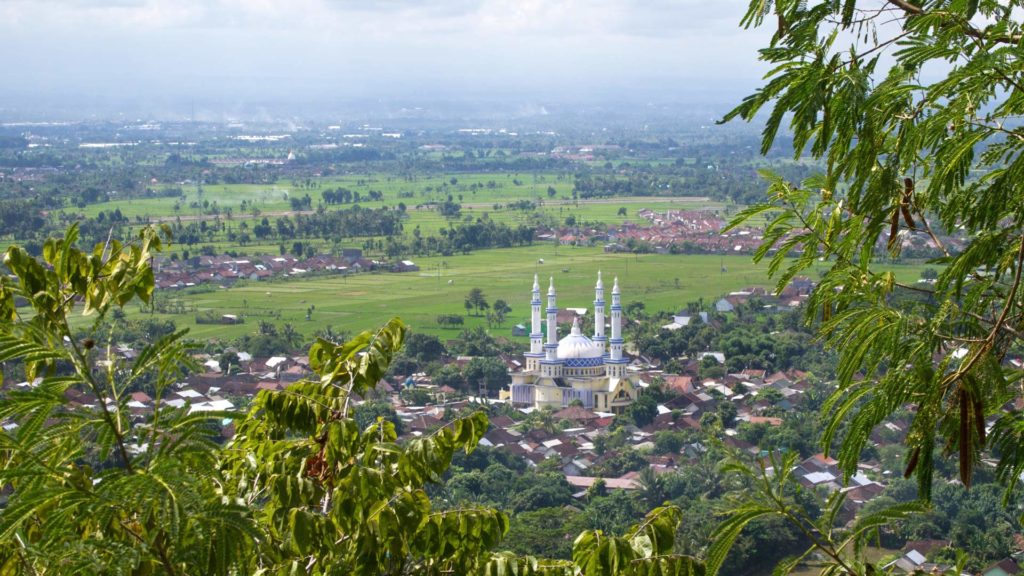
[363, 301]
[271, 202]
[273, 199]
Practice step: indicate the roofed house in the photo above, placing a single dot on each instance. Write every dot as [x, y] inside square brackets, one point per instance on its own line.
[585, 482]
[778, 380]
[502, 437]
[569, 315]
[755, 374]
[718, 356]
[771, 421]
[925, 547]
[859, 495]
[682, 319]
[269, 385]
[425, 423]
[141, 397]
[911, 563]
[502, 421]
[1005, 567]
[575, 414]
[294, 373]
[821, 463]
[678, 384]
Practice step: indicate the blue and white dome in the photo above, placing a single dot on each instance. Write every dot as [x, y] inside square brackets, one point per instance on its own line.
[576, 345]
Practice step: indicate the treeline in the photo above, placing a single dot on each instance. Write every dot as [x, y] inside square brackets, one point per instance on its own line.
[633, 184]
[464, 237]
[350, 223]
[319, 157]
[31, 219]
[426, 353]
[355, 222]
[725, 179]
[749, 338]
[22, 219]
[346, 196]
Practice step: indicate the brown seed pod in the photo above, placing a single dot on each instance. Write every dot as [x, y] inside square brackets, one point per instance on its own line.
[979, 419]
[907, 218]
[966, 444]
[894, 228]
[912, 464]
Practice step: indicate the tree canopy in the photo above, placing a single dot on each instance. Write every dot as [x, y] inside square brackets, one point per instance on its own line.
[300, 488]
[912, 109]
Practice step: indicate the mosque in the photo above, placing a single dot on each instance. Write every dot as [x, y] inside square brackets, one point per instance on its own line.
[591, 370]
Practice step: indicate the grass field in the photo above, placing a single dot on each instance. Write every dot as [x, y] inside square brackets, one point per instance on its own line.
[271, 200]
[364, 301]
[274, 197]
[430, 221]
[495, 189]
[358, 302]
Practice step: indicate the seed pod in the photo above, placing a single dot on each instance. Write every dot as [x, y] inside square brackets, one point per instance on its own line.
[894, 227]
[912, 464]
[908, 196]
[965, 438]
[907, 218]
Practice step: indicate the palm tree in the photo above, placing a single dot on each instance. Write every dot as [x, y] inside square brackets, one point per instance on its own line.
[331, 335]
[653, 491]
[546, 420]
[265, 328]
[542, 419]
[291, 336]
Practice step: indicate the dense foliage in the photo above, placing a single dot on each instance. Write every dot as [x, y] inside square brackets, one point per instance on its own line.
[905, 156]
[94, 489]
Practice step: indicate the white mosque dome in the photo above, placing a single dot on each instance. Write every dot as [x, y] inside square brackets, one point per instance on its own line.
[576, 345]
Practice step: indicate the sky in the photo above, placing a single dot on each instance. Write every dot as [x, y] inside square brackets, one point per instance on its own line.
[170, 54]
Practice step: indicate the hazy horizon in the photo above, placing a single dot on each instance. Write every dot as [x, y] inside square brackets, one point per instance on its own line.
[226, 59]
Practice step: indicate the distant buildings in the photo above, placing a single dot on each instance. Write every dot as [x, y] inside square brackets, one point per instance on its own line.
[225, 270]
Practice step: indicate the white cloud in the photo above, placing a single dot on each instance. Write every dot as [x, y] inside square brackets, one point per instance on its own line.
[387, 47]
[587, 17]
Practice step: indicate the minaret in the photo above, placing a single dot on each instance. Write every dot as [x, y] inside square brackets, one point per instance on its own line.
[599, 338]
[551, 348]
[536, 334]
[617, 365]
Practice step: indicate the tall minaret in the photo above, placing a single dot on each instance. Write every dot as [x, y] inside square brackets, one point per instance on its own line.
[536, 334]
[599, 338]
[617, 365]
[551, 348]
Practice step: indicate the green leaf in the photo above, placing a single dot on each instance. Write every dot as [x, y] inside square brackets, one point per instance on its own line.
[726, 533]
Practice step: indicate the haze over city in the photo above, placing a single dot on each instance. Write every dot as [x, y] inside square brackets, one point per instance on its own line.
[231, 58]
